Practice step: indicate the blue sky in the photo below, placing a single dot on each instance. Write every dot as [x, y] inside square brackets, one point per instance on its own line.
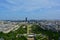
[33, 9]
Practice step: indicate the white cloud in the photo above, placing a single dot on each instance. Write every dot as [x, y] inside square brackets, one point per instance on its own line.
[29, 5]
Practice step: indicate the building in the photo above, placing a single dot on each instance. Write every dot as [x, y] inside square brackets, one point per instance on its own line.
[31, 37]
[26, 19]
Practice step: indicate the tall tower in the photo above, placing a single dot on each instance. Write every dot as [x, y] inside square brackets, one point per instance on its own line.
[26, 19]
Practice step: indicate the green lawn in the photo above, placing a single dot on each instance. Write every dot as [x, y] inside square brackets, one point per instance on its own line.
[34, 29]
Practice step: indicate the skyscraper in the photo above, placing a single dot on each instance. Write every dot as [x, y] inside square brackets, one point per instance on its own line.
[26, 19]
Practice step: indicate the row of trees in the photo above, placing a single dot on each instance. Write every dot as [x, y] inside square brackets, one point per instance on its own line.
[12, 35]
[51, 35]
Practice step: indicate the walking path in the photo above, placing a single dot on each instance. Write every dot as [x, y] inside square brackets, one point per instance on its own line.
[30, 36]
